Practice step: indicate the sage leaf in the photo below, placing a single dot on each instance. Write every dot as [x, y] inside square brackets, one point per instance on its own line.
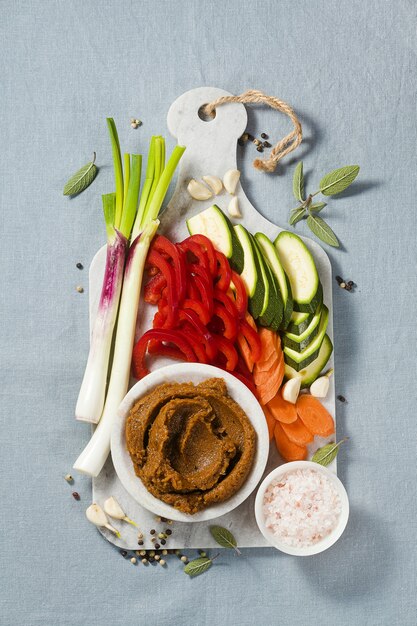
[224, 537]
[316, 208]
[322, 230]
[298, 182]
[199, 566]
[327, 454]
[81, 179]
[338, 180]
[296, 215]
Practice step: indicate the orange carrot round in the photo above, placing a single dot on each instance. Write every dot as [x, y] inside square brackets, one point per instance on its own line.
[282, 410]
[289, 450]
[298, 433]
[314, 416]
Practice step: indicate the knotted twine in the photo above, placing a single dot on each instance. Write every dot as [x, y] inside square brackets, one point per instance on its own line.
[283, 147]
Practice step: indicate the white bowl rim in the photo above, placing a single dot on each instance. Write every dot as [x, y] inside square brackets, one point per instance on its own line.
[325, 543]
[185, 372]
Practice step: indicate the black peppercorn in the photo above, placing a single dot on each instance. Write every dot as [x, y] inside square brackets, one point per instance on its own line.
[123, 553]
[76, 495]
[264, 136]
[80, 266]
[341, 398]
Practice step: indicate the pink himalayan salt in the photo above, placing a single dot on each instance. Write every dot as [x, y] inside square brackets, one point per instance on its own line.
[301, 508]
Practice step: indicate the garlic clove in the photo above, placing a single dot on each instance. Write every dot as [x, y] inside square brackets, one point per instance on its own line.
[198, 191]
[320, 387]
[291, 389]
[230, 180]
[113, 508]
[214, 183]
[96, 515]
[233, 207]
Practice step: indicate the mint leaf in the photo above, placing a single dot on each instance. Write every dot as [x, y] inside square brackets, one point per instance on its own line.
[322, 230]
[326, 454]
[338, 180]
[198, 566]
[224, 537]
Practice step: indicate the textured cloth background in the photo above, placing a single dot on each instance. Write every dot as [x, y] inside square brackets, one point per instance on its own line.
[348, 68]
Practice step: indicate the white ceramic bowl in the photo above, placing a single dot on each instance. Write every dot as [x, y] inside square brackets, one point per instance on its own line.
[324, 543]
[195, 373]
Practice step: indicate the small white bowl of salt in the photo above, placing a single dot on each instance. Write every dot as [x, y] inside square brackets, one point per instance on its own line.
[301, 508]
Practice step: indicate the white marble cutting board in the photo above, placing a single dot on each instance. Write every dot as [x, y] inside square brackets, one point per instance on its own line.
[211, 149]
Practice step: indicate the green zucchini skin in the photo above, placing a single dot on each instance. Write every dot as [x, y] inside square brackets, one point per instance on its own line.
[299, 342]
[310, 307]
[299, 360]
[310, 373]
[299, 329]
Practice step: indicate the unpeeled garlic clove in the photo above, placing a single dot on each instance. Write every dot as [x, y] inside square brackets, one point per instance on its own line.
[291, 389]
[233, 207]
[113, 508]
[198, 191]
[230, 180]
[214, 183]
[97, 516]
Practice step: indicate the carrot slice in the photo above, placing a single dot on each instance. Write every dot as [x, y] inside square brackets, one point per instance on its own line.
[289, 450]
[315, 417]
[264, 365]
[261, 377]
[250, 320]
[268, 342]
[282, 410]
[270, 422]
[297, 432]
[245, 351]
[270, 388]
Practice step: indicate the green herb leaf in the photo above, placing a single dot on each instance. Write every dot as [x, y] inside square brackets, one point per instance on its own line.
[316, 208]
[338, 180]
[326, 454]
[198, 566]
[224, 537]
[81, 179]
[322, 230]
[296, 215]
[298, 182]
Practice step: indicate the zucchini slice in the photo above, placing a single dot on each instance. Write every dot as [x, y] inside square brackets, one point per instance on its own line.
[272, 311]
[311, 372]
[300, 360]
[299, 342]
[251, 273]
[215, 225]
[300, 268]
[299, 322]
[283, 286]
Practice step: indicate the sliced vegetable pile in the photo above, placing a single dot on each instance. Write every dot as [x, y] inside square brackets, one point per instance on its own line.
[202, 309]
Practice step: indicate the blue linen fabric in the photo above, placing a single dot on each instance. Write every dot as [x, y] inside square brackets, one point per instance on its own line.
[348, 68]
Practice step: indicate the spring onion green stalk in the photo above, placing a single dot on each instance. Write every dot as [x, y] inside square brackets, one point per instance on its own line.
[158, 177]
[93, 388]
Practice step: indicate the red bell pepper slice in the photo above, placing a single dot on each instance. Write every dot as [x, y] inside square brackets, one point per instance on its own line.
[208, 247]
[202, 333]
[139, 369]
[226, 348]
[227, 301]
[252, 339]
[164, 246]
[240, 294]
[156, 259]
[199, 308]
[231, 328]
[203, 291]
[196, 252]
[224, 272]
[195, 341]
[153, 289]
